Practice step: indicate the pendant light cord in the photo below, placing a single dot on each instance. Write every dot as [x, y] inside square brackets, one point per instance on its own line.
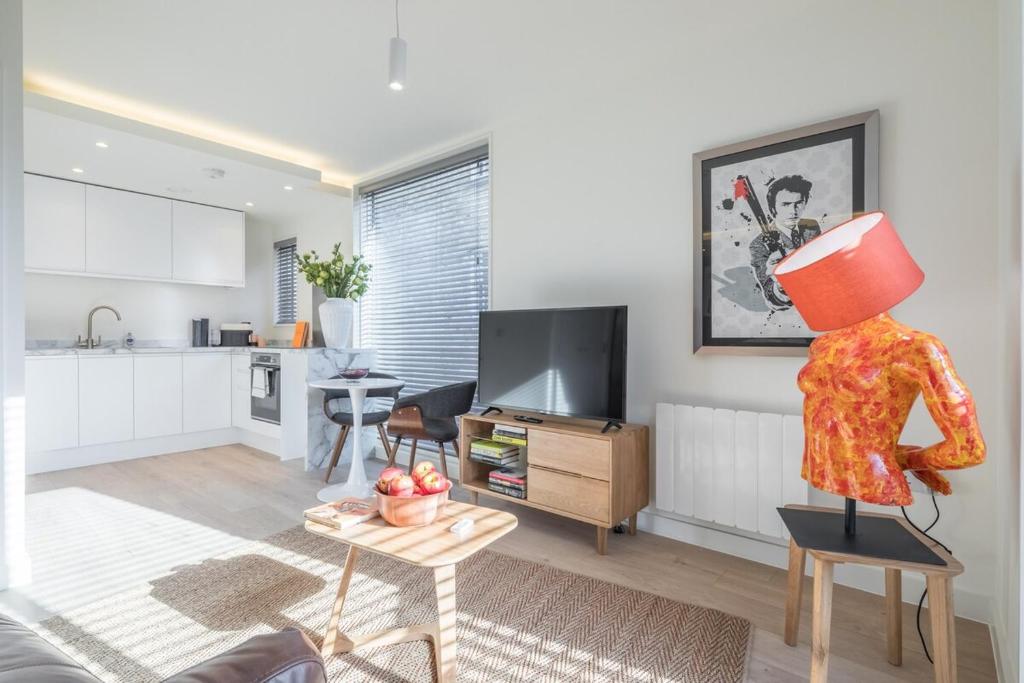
[924, 532]
[398, 34]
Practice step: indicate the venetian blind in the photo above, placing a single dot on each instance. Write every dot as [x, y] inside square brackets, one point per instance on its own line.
[286, 308]
[427, 235]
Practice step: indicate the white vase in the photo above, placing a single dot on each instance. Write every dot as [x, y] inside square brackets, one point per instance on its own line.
[336, 321]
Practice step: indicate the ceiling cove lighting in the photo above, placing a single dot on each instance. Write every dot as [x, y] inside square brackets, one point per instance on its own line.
[101, 144]
[396, 61]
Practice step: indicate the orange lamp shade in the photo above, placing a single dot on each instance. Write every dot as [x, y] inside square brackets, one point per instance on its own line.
[853, 272]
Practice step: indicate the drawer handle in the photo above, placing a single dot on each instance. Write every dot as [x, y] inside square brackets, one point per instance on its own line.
[554, 471]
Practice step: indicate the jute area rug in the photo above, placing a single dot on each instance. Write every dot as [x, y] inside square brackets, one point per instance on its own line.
[517, 620]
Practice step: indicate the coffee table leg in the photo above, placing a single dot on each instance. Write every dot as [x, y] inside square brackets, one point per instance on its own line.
[331, 637]
[444, 643]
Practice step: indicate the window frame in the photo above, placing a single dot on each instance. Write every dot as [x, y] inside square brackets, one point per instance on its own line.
[278, 245]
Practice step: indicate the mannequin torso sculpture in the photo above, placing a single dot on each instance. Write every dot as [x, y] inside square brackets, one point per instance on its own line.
[860, 383]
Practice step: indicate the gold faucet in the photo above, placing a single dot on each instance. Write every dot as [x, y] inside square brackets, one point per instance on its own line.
[89, 343]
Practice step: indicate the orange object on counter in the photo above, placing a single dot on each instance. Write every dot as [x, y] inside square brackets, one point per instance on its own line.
[862, 378]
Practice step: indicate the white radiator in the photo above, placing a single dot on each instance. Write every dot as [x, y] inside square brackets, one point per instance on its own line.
[730, 467]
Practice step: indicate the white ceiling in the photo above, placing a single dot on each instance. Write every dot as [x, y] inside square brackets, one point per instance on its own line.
[55, 144]
[310, 77]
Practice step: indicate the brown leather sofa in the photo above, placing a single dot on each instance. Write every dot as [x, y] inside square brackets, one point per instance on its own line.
[284, 657]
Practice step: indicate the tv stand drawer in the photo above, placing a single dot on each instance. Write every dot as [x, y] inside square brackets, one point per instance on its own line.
[569, 453]
[576, 495]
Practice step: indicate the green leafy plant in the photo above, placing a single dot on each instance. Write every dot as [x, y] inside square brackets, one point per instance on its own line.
[339, 278]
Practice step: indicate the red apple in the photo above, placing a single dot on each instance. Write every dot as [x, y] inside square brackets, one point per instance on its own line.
[384, 480]
[422, 469]
[402, 486]
[433, 482]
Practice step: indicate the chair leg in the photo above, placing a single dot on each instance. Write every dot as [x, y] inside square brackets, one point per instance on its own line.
[458, 457]
[393, 453]
[412, 455]
[339, 443]
[443, 459]
[384, 440]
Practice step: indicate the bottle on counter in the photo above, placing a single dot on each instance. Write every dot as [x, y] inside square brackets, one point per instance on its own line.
[129, 340]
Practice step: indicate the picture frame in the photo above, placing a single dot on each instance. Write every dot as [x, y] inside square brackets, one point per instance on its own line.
[757, 200]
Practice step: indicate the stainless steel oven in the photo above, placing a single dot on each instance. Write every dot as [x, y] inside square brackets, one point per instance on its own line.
[265, 387]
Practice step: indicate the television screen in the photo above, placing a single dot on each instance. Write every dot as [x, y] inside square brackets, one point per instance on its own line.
[560, 361]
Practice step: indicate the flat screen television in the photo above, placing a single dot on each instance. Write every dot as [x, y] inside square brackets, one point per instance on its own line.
[562, 361]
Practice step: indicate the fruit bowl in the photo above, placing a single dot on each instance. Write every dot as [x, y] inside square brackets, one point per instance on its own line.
[412, 510]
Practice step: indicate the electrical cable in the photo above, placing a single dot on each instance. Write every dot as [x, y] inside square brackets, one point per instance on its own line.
[924, 532]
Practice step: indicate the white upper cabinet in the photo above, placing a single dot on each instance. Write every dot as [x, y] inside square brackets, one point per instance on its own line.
[54, 224]
[127, 233]
[209, 245]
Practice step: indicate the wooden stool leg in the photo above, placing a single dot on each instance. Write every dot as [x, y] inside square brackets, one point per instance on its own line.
[444, 645]
[412, 455]
[794, 592]
[822, 620]
[602, 540]
[940, 611]
[474, 497]
[444, 458]
[331, 637]
[632, 524]
[394, 451]
[894, 614]
[339, 443]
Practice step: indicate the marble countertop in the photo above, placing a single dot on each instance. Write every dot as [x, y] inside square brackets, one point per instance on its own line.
[143, 350]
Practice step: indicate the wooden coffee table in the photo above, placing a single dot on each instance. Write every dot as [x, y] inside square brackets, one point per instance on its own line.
[427, 546]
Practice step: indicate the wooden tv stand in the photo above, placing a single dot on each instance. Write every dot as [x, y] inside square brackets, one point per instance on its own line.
[573, 469]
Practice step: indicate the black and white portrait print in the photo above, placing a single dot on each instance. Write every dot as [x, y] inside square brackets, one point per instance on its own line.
[758, 206]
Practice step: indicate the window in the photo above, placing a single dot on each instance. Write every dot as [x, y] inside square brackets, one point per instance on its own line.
[286, 305]
[427, 236]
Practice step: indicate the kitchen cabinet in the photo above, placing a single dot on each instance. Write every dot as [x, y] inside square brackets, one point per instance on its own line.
[127, 233]
[206, 391]
[54, 224]
[240, 388]
[105, 399]
[51, 403]
[209, 244]
[158, 395]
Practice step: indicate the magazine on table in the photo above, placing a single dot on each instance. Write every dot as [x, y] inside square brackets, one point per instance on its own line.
[344, 513]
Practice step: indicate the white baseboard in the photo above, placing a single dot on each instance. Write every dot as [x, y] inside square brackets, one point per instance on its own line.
[260, 441]
[871, 579]
[83, 456]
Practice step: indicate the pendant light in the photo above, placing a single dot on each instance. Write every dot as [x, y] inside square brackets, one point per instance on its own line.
[396, 70]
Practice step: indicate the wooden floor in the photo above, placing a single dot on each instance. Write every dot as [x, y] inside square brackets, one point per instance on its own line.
[231, 494]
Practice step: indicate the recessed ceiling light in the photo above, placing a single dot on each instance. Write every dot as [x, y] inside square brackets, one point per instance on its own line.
[249, 204]
[77, 170]
[101, 144]
[289, 188]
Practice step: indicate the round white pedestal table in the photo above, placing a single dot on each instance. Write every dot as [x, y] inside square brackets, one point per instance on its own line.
[357, 484]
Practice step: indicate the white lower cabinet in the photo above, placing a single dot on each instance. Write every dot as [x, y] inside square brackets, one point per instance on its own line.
[240, 391]
[51, 403]
[158, 395]
[206, 391]
[105, 399]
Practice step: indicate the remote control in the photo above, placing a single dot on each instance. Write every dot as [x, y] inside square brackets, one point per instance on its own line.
[462, 526]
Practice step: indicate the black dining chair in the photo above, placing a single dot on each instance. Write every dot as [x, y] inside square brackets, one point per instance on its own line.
[430, 415]
[376, 417]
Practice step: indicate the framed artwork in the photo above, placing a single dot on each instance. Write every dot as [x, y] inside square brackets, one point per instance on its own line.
[756, 201]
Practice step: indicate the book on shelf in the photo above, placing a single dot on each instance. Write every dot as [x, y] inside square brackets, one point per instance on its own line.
[344, 513]
[506, 487]
[505, 490]
[487, 446]
[505, 438]
[492, 460]
[510, 475]
[510, 430]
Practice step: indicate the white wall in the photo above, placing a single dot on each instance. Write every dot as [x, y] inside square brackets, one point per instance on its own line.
[592, 189]
[57, 305]
[13, 558]
[319, 229]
